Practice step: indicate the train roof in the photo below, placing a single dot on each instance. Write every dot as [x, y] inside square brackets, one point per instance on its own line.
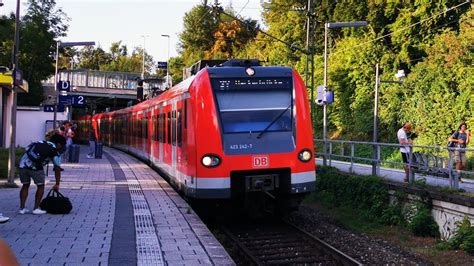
[235, 68]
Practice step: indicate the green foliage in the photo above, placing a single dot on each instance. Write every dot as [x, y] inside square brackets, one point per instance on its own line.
[365, 193]
[4, 155]
[464, 237]
[41, 25]
[423, 224]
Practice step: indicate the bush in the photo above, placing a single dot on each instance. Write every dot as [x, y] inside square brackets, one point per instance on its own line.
[464, 237]
[423, 224]
[4, 154]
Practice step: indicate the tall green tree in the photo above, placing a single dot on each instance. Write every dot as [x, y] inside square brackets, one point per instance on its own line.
[41, 25]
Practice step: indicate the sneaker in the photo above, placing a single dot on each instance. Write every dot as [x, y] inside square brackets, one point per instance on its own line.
[90, 156]
[38, 211]
[23, 211]
[3, 219]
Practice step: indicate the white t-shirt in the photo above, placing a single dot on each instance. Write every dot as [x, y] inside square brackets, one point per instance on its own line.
[402, 135]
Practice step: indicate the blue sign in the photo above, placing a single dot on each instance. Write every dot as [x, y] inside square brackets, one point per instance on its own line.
[65, 100]
[329, 97]
[64, 85]
[74, 100]
[78, 100]
[50, 108]
[163, 65]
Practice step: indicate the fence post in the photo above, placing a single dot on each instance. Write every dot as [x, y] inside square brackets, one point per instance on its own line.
[378, 159]
[330, 153]
[452, 179]
[411, 176]
[351, 169]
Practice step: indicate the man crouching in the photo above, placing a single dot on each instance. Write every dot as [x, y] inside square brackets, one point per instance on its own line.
[37, 155]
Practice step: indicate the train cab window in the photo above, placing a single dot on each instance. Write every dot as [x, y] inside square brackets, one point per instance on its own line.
[244, 106]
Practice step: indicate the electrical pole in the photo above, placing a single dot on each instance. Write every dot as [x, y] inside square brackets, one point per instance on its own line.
[310, 52]
[15, 55]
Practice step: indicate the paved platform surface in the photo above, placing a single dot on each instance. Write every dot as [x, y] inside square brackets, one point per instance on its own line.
[123, 213]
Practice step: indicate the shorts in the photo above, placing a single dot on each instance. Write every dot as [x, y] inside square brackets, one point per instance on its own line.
[405, 157]
[460, 156]
[26, 175]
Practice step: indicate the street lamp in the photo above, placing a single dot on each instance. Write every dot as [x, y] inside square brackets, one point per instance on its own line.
[167, 61]
[143, 55]
[400, 76]
[62, 45]
[327, 26]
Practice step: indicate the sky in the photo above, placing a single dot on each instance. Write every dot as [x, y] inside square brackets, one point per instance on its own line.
[107, 21]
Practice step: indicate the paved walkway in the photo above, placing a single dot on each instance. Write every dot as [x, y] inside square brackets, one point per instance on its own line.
[397, 174]
[117, 218]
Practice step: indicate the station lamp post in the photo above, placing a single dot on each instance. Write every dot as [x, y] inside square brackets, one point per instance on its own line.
[60, 44]
[167, 61]
[400, 76]
[327, 26]
[143, 55]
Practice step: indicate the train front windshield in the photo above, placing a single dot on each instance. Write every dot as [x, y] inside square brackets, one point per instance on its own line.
[254, 105]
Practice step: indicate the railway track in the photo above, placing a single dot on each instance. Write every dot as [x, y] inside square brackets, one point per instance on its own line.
[279, 242]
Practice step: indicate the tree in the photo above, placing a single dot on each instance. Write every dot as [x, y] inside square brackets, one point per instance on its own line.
[198, 29]
[40, 27]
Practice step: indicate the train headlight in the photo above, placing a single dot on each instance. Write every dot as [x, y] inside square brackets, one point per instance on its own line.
[305, 155]
[210, 160]
[250, 71]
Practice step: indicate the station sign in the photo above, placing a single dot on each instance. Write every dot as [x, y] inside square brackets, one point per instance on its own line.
[162, 65]
[50, 108]
[73, 100]
[63, 85]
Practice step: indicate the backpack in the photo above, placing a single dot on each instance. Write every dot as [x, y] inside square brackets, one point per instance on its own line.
[452, 144]
[39, 152]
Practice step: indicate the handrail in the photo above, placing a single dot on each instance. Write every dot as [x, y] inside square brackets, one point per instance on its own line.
[439, 165]
[393, 144]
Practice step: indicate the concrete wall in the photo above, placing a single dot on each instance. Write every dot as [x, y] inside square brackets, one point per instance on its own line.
[31, 123]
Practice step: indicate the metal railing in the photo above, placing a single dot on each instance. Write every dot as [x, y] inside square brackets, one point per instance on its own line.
[98, 79]
[428, 160]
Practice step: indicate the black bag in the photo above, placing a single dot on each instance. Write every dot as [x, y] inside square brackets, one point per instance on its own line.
[452, 144]
[56, 203]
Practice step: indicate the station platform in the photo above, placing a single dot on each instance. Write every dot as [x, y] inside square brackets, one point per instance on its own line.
[123, 213]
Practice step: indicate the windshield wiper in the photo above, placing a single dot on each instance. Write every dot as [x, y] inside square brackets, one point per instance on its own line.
[273, 122]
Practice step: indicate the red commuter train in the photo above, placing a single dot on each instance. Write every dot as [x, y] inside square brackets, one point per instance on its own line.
[228, 132]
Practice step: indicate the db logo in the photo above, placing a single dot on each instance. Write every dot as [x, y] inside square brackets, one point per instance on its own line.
[261, 161]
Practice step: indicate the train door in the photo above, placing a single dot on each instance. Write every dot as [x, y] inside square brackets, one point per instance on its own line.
[167, 139]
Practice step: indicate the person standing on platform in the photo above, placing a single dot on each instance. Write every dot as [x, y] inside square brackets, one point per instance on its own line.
[31, 165]
[461, 138]
[405, 150]
[92, 142]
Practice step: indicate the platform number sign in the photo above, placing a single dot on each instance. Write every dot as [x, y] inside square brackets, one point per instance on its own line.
[261, 161]
[78, 100]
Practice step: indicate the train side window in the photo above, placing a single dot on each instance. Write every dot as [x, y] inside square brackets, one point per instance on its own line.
[168, 128]
[185, 122]
[173, 128]
[146, 127]
[178, 128]
[162, 128]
